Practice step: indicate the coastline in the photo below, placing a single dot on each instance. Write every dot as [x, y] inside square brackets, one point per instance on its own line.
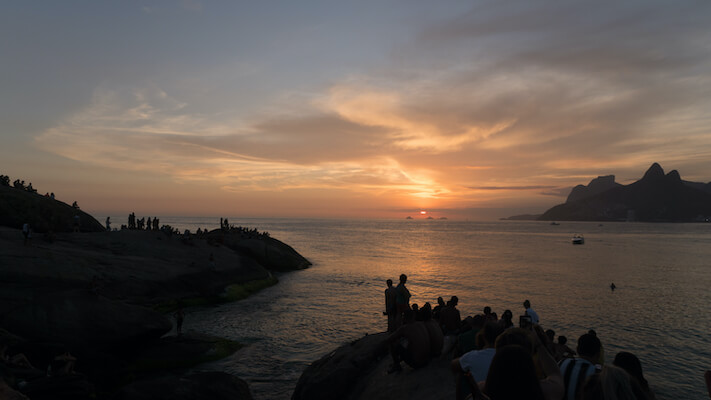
[106, 298]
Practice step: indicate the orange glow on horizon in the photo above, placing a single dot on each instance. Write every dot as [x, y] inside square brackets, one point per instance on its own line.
[423, 212]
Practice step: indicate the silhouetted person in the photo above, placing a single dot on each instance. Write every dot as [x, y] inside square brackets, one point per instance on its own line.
[530, 312]
[506, 320]
[409, 343]
[476, 362]
[179, 317]
[450, 318]
[402, 300]
[630, 363]
[576, 370]
[390, 305]
[26, 232]
[562, 350]
[613, 287]
[438, 308]
[433, 330]
[108, 224]
[488, 315]
[149, 224]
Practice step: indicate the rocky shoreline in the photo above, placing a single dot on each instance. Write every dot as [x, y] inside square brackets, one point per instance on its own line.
[97, 295]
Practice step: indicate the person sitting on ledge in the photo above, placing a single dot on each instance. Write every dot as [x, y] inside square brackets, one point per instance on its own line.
[433, 330]
[410, 343]
[562, 350]
[576, 370]
[630, 363]
[476, 362]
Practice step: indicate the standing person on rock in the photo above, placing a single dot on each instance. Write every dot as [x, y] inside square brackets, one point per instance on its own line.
[402, 300]
[390, 305]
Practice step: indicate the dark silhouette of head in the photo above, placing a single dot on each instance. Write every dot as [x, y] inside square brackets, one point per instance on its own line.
[515, 336]
[426, 312]
[408, 316]
[440, 301]
[526, 304]
[630, 363]
[487, 310]
[415, 307]
[491, 331]
[389, 282]
[403, 278]
[478, 321]
[562, 339]
[550, 334]
[589, 346]
[512, 375]
[453, 301]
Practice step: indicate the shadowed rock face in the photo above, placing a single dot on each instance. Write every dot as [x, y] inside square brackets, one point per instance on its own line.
[597, 185]
[654, 198]
[198, 386]
[42, 213]
[81, 319]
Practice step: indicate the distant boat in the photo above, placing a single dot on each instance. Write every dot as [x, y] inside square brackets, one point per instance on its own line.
[408, 217]
[430, 218]
[554, 223]
[578, 239]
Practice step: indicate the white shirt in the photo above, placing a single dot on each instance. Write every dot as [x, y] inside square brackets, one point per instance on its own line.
[477, 362]
[532, 314]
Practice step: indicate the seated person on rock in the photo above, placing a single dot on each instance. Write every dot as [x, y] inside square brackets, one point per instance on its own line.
[512, 373]
[473, 366]
[409, 343]
[449, 317]
[433, 330]
[562, 350]
[576, 370]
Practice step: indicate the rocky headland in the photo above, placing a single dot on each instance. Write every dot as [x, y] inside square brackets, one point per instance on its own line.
[358, 371]
[107, 299]
[656, 197]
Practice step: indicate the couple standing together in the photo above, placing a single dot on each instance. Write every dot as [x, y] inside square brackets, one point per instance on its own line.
[397, 300]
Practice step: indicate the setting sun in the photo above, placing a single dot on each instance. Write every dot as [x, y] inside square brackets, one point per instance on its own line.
[423, 212]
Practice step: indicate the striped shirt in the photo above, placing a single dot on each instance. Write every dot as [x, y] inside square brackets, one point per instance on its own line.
[575, 371]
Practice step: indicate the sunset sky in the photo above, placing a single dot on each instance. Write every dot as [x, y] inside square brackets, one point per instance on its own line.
[466, 109]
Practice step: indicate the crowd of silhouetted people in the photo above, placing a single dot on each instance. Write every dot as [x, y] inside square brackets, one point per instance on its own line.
[495, 358]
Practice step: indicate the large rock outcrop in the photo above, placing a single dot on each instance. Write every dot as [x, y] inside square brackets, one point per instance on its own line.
[81, 319]
[18, 207]
[654, 198]
[197, 386]
[596, 186]
[358, 371]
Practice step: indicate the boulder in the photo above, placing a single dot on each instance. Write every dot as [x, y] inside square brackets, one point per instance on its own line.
[81, 319]
[42, 213]
[335, 375]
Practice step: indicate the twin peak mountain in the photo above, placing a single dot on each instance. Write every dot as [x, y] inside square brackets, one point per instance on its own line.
[657, 197]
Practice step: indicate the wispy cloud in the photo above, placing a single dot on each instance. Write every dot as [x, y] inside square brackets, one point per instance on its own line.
[512, 99]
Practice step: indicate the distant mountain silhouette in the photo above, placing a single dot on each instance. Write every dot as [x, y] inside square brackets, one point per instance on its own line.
[654, 198]
[597, 185]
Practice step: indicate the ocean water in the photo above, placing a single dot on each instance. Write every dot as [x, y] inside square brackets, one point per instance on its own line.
[658, 312]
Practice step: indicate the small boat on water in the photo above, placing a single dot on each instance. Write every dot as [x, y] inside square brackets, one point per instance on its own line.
[578, 239]
[554, 223]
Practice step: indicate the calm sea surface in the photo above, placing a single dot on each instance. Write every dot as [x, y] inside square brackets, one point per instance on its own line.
[660, 310]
